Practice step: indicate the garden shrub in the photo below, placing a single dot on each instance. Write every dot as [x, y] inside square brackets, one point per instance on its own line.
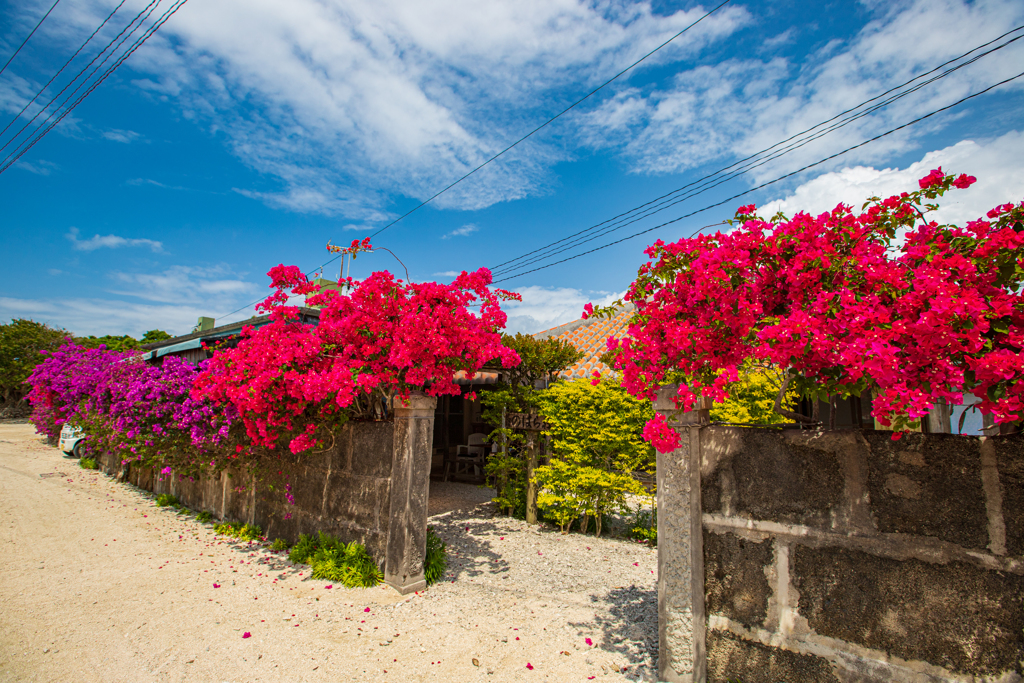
[333, 560]
[596, 436]
[436, 560]
[204, 517]
[243, 532]
[165, 499]
[279, 545]
[88, 464]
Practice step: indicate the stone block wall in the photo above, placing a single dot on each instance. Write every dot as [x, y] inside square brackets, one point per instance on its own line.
[371, 486]
[848, 557]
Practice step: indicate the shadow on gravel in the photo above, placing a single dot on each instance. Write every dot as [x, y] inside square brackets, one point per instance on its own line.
[630, 627]
[469, 555]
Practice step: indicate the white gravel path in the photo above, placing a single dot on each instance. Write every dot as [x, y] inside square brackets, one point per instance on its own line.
[98, 584]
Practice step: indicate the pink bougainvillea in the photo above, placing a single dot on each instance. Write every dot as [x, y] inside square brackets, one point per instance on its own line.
[883, 300]
[372, 346]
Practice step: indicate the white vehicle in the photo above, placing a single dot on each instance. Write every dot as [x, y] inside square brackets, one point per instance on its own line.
[72, 440]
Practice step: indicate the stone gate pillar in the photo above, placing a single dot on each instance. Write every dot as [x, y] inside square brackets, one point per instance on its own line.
[410, 486]
[681, 621]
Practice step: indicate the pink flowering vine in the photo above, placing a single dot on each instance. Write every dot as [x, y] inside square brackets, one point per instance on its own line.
[883, 300]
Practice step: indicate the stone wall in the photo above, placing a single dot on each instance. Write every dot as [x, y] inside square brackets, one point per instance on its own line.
[371, 485]
[843, 557]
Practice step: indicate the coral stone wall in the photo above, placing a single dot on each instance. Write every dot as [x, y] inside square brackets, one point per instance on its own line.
[371, 486]
[344, 490]
[846, 556]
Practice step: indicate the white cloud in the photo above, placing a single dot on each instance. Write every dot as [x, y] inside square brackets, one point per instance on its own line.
[545, 307]
[448, 273]
[117, 135]
[215, 286]
[39, 167]
[735, 108]
[110, 241]
[465, 230]
[170, 300]
[85, 316]
[996, 164]
[346, 101]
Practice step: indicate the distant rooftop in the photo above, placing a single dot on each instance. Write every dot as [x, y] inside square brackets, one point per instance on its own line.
[590, 337]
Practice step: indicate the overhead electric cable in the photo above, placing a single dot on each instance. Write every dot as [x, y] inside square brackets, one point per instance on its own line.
[138, 43]
[548, 122]
[766, 184]
[61, 70]
[82, 71]
[40, 23]
[747, 164]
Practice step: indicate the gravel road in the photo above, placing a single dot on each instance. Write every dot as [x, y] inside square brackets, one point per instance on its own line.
[99, 584]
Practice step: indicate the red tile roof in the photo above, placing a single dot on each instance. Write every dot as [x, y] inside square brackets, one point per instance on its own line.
[590, 337]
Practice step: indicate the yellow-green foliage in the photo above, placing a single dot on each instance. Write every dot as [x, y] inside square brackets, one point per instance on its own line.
[752, 399]
[601, 426]
[596, 436]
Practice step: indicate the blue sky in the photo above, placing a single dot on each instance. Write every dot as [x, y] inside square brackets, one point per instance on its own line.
[247, 134]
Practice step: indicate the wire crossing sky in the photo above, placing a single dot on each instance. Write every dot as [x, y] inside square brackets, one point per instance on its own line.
[141, 194]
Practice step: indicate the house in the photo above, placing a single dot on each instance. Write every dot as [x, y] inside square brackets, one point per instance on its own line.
[190, 346]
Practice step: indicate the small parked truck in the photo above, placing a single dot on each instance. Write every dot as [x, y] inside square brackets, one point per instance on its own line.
[72, 440]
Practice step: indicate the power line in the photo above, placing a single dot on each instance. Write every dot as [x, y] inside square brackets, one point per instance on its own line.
[61, 70]
[79, 75]
[548, 122]
[138, 43]
[40, 23]
[770, 182]
[745, 165]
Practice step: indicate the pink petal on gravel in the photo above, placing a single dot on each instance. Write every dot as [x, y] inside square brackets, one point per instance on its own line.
[529, 666]
[247, 635]
[367, 609]
[216, 585]
[589, 641]
[328, 587]
[636, 564]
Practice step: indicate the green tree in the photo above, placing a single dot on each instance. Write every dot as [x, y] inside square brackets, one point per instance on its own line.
[154, 336]
[123, 342]
[20, 344]
[542, 360]
[597, 438]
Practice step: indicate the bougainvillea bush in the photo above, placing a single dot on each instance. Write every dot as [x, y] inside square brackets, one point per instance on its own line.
[142, 411]
[292, 383]
[844, 302]
[283, 383]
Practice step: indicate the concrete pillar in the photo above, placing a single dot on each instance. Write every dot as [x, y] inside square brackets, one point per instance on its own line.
[410, 486]
[681, 620]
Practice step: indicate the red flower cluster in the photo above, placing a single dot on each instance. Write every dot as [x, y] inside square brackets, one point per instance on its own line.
[371, 346]
[883, 300]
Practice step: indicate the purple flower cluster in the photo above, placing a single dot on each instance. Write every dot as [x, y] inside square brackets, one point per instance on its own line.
[144, 411]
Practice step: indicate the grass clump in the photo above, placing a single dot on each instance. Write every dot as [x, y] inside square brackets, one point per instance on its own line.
[279, 545]
[644, 526]
[88, 464]
[165, 499]
[332, 560]
[436, 560]
[204, 517]
[243, 532]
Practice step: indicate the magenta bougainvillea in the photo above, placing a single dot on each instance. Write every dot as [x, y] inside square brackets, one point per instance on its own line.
[384, 338]
[284, 383]
[884, 300]
[145, 412]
